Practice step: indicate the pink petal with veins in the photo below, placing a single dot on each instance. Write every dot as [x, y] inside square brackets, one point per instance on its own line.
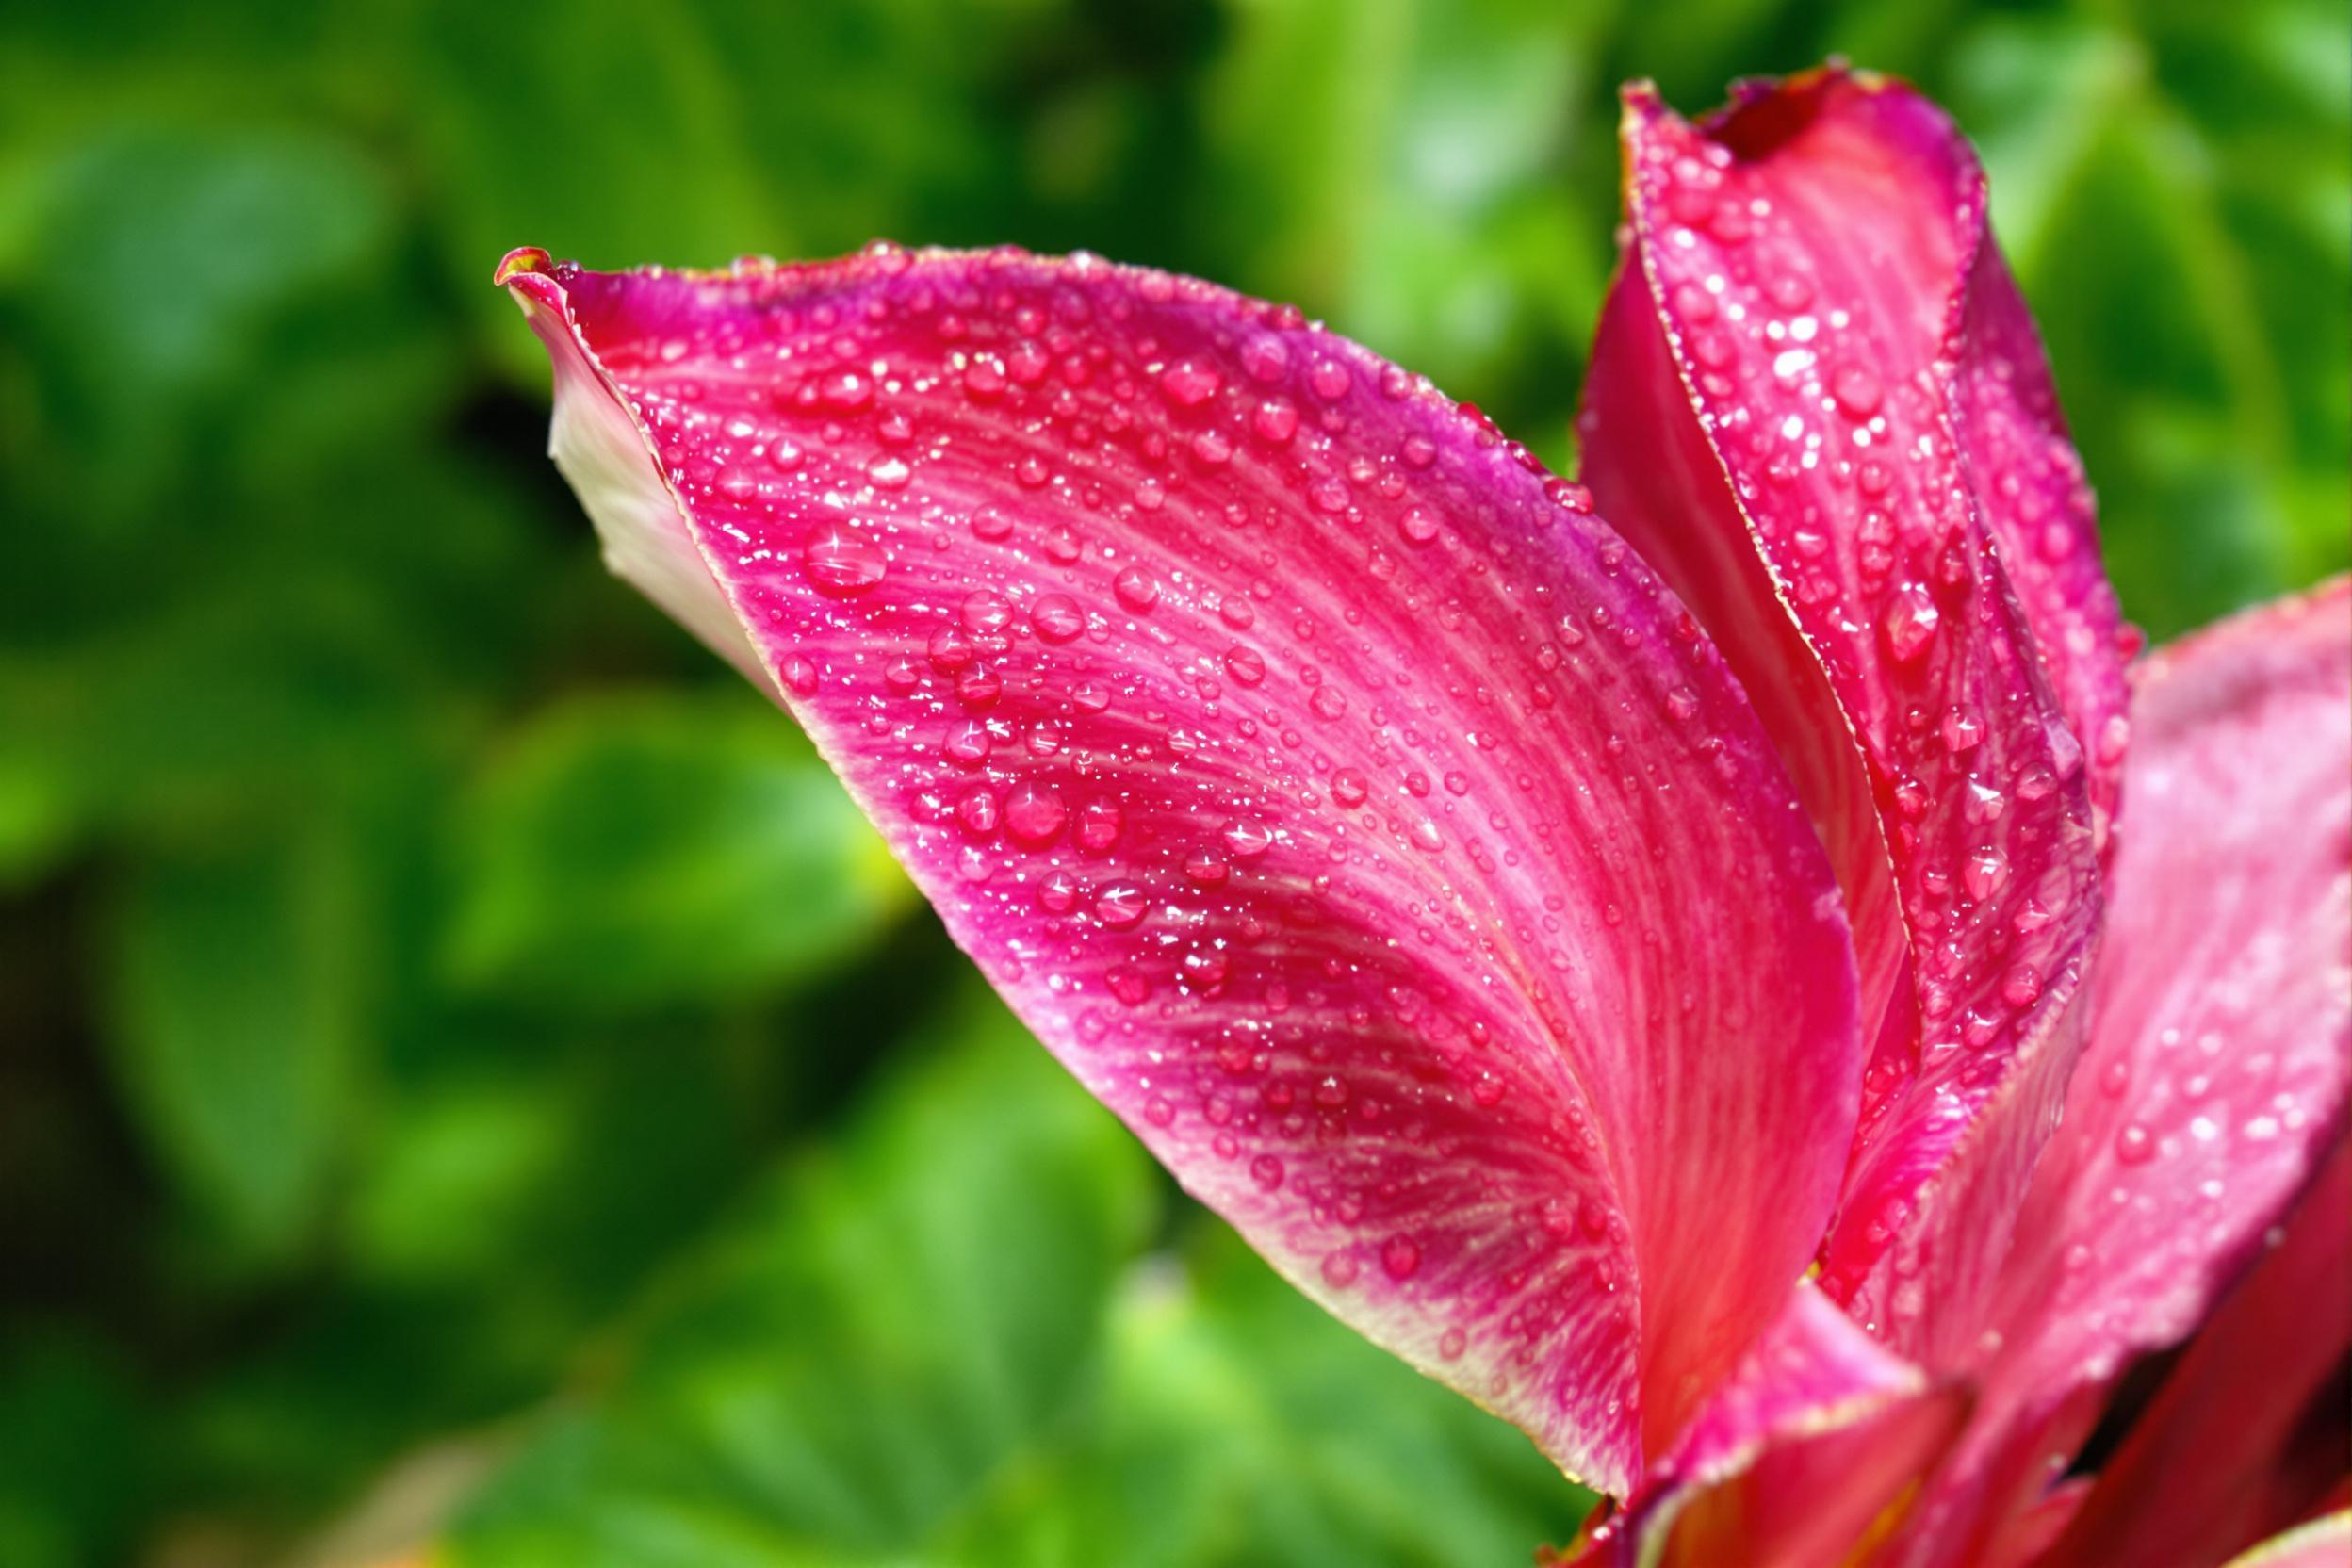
[2221, 1043]
[1337, 797]
[1814, 406]
[2208, 1467]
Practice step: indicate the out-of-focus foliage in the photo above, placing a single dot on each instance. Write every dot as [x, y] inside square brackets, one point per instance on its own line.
[467, 1072]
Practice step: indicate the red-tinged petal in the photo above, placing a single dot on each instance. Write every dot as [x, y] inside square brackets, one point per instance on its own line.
[2322, 1544]
[2220, 1052]
[1814, 406]
[2221, 1042]
[1808, 1455]
[2199, 1474]
[1340, 801]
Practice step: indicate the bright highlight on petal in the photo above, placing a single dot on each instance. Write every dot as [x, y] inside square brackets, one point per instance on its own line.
[1341, 800]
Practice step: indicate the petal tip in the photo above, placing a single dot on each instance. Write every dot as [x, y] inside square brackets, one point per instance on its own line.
[518, 261]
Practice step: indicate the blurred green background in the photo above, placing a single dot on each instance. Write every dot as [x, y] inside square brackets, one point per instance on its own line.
[465, 1072]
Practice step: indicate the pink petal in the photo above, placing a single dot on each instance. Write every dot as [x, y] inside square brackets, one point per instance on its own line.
[2200, 1474]
[1815, 1445]
[1817, 407]
[2221, 1043]
[1342, 802]
[2322, 1544]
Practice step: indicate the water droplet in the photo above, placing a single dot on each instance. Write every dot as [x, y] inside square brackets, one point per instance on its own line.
[1856, 391]
[1418, 525]
[841, 563]
[1120, 904]
[1909, 623]
[967, 744]
[1327, 703]
[1243, 665]
[1098, 825]
[1267, 1170]
[1962, 729]
[1207, 867]
[1190, 385]
[1400, 1258]
[1246, 839]
[988, 523]
[1276, 420]
[1340, 1268]
[845, 391]
[951, 650]
[2135, 1144]
[1265, 357]
[1034, 813]
[1985, 872]
[1057, 893]
[977, 812]
[1329, 380]
[1349, 788]
[1135, 589]
[1056, 617]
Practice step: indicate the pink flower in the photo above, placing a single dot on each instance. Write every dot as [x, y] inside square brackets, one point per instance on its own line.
[1752, 990]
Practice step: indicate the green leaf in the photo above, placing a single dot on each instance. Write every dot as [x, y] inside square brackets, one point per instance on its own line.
[236, 1025]
[883, 1331]
[642, 850]
[1241, 1425]
[932, 1346]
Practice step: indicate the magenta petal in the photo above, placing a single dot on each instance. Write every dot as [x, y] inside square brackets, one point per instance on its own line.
[1817, 407]
[2220, 1051]
[2200, 1474]
[1813, 1446]
[1342, 802]
[2221, 1043]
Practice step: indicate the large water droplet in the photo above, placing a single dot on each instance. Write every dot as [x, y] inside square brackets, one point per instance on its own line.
[1098, 825]
[1909, 623]
[841, 563]
[1135, 589]
[1120, 904]
[1056, 617]
[1189, 384]
[1034, 813]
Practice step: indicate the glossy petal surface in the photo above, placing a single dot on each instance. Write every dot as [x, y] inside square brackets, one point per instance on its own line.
[2222, 1004]
[1817, 406]
[1340, 800]
[2221, 1012]
[2205, 1472]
